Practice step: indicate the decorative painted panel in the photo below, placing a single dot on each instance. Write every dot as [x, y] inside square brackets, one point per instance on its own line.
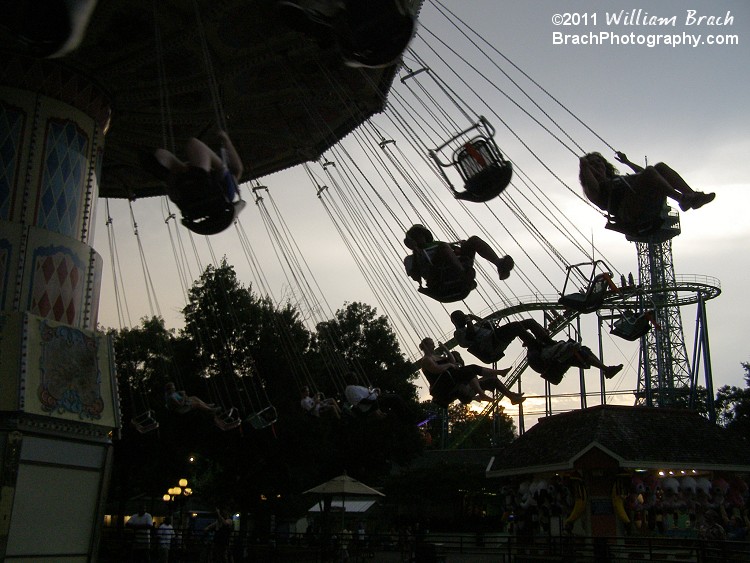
[58, 284]
[68, 374]
[63, 178]
[70, 381]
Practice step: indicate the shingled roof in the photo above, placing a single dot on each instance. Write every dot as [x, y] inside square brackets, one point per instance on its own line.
[637, 437]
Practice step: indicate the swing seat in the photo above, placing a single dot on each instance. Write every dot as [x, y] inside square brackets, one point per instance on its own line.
[487, 184]
[178, 409]
[349, 410]
[451, 292]
[356, 412]
[444, 390]
[228, 420]
[445, 292]
[555, 373]
[212, 220]
[495, 356]
[656, 221]
[487, 356]
[592, 299]
[145, 422]
[556, 359]
[562, 351]
[648, 226]
[203, 203]
[374, 34]
[485, 172]
[263, 418]
[631, 326]
[442, 402]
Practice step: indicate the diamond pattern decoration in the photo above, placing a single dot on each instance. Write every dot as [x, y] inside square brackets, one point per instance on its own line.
[57, 287]
[63, 177]
[11, 129]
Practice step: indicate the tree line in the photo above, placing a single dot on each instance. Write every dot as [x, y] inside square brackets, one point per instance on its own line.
[239, 349]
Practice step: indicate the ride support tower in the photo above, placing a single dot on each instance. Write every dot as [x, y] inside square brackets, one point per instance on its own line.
[667, 376]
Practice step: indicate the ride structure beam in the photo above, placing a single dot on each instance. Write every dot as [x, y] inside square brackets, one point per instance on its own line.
[665, 377]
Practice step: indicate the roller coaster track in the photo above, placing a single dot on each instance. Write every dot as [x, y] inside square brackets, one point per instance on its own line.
[689, 289]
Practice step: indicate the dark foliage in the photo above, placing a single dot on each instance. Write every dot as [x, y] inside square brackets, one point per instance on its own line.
[242, 351]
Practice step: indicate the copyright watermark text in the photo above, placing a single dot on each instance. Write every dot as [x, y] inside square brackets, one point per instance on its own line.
[638, 27]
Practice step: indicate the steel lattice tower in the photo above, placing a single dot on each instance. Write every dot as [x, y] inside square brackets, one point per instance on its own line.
[664, 375]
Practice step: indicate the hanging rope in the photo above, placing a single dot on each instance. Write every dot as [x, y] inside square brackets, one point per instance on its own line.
[213, 86]
[298, 274]
[297, 366]
[121, 301]
[455, 18]
[153, 303]
[167, 131]
[355, 234]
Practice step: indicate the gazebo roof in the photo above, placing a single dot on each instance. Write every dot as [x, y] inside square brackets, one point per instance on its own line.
[636, 437]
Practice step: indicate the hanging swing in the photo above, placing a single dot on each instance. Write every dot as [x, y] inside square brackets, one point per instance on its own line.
[172, 406]
[227, 416]
[48, 29]
[479, 162]
[228, 419]
[497, 351]
[207, 211]
[450, 288]
[449, 292]
[590, 298]
[209, 201]
[144, 418]
[262, 412]
[648, 224]
[632, 326]
[556, 359]
[145, 422]
[263, 418]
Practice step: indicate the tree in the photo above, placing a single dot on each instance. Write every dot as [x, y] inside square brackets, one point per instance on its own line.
[146, 358]
[470, 429]
[247, 349]
[359, 340]
[733, 406]
[238, 349]
[367, 344]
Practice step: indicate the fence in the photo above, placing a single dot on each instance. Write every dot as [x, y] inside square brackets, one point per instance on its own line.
[442, 547]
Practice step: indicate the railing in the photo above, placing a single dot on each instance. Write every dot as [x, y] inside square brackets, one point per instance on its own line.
[441, 547]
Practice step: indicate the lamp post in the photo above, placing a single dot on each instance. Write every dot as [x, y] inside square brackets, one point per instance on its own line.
[179, 493]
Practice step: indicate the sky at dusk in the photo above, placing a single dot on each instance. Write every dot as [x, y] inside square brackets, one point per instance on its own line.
[552, 92]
